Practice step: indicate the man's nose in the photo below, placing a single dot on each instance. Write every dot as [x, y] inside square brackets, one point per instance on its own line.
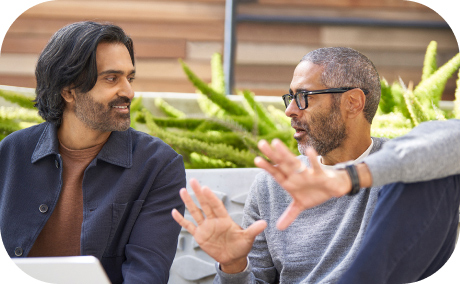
[126, 90]
[292, 110]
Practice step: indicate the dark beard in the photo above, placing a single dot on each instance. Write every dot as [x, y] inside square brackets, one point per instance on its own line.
[329, 131]
[100, 117]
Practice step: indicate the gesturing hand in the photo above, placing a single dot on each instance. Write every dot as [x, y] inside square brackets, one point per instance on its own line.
[216, 233]
[307, 186]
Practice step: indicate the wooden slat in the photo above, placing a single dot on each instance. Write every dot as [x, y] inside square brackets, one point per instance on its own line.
[265, 73]
[387, 38]
[348, 3]
[24, 44]
[387, 13]
[129, 10]
[18, 64]
[140, 85]
[148, 48]
[175, 30]
[177, 86]
[143, 48]
[171, 69]
[192, 1]
[285, 33]
[200, 50]
[18, 80]
[271, 54]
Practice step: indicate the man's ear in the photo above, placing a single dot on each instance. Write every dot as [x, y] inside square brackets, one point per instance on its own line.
[355, 101]
[68, 94]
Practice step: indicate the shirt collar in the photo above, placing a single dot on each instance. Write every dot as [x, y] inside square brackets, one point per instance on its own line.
[354, 162]
[117, 150]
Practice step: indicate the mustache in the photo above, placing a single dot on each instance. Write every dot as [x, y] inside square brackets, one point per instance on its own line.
[120, 100]
[295, 123]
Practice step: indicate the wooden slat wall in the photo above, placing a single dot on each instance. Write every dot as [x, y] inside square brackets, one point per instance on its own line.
[267, 54]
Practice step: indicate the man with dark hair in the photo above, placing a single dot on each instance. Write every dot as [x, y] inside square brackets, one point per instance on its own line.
[84, 182]
[344, 226]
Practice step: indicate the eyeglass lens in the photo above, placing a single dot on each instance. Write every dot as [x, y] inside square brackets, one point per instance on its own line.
[301, 100]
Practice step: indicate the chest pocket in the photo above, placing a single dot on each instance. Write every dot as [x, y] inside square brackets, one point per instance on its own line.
[123, 218]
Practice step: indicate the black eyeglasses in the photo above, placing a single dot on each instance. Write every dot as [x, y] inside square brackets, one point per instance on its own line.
[301, 100]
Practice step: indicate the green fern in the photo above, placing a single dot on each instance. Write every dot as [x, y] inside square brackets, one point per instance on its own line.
[387, 101]
[456, 111]
[429, 91]
[416, 110]
[218, 98]
[21, 100]
[430, 64]
[187, 146]
[20, 114]
[217, 74]
[167, 109]
[258, 109]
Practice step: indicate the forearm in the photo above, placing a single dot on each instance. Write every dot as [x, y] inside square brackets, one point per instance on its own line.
[429, 151]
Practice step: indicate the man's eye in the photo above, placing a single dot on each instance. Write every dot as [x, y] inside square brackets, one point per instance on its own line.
[131, 79]
[111, 79]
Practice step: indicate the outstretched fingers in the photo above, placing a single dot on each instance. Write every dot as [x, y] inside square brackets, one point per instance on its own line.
[271, 169]
[202, 199]
[286, 162]
[215, 204]
[191, 206]
[189, 226]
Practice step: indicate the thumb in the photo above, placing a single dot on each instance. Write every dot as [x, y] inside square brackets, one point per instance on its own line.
[255, 229]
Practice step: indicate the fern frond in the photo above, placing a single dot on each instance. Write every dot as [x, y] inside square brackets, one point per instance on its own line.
[216, 97]
[430, 64]
[217, 73]
[168, 109]
[429, 91]
[21, 100]
[258, 109]
[457, 99]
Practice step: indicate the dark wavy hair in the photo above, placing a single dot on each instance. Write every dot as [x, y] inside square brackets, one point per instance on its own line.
[346, 67]
[69, 59]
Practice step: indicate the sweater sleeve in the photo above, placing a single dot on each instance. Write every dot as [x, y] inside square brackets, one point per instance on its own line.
[429, 151]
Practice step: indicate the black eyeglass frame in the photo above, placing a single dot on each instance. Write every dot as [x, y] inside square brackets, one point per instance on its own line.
[287, 98]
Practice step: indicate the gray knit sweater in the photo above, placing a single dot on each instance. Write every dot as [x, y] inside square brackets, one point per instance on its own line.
[323, 241]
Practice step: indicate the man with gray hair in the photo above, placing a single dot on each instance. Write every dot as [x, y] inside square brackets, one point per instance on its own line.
[371, 220]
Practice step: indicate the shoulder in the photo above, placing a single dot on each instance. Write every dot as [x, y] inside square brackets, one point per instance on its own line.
[151, 149]
[378, 143]
[144, 141]
[27, 137]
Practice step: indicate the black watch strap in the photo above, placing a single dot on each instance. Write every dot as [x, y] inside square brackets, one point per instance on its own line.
[353, 173]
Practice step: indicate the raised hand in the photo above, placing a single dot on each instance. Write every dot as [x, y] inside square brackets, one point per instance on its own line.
[307, 186]
[216, 233]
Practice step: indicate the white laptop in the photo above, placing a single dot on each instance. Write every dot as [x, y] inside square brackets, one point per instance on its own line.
[64, 270]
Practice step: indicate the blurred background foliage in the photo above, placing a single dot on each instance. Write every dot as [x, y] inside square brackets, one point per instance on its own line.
[227, 134]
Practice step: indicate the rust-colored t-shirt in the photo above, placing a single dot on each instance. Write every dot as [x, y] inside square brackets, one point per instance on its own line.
[61, 234]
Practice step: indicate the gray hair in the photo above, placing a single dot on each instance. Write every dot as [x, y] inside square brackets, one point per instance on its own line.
[346, 67]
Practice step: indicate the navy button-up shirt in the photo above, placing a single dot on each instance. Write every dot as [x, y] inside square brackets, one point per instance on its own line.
[129, 190]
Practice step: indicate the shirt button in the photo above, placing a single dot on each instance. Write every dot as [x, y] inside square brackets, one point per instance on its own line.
[43, 208]
[18, 251]
[56, 162]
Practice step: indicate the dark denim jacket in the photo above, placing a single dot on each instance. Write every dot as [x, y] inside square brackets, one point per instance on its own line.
[129, 190]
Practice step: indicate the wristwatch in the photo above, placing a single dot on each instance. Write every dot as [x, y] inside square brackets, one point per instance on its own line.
[353, 174]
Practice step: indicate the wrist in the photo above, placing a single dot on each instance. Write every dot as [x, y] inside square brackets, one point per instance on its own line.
[362, 173]
[365, 176]
[233, 267]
